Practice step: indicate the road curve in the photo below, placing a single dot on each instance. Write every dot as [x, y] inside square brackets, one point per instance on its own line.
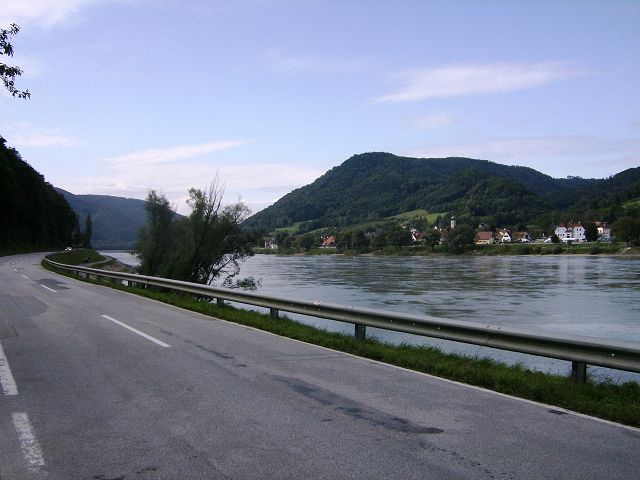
[99, 384]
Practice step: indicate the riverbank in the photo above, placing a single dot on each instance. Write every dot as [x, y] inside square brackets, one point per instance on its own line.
[588, 248]
[604, 399]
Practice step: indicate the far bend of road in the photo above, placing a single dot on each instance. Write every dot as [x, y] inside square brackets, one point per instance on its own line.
[99, 384]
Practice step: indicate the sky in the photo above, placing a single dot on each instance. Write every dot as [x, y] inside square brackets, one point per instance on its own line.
[133, 95]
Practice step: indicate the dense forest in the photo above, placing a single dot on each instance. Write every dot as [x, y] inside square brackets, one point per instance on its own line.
[33, 214]
[372, 186]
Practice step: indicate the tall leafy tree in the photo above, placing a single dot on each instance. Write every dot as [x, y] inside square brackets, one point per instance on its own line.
[627, 229]
[8, 73]
[88, 232]
[156, 239]
[205, 245]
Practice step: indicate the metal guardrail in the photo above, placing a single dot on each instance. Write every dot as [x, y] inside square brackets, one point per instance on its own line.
[579, 350]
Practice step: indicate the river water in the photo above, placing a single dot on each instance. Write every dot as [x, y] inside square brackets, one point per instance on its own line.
[597, 296]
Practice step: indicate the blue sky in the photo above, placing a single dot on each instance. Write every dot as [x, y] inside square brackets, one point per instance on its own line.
[129, 95]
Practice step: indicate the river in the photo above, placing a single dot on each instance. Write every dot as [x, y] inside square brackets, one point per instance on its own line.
[597, 296]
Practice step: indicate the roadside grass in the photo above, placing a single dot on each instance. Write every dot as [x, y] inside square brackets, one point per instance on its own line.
[79, 256]
[607, 400]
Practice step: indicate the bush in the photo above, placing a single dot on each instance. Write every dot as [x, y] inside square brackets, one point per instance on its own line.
[557, 249]
[524, 250]
[595, 250]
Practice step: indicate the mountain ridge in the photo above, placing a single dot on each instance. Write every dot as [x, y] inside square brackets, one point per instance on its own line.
[116, 220]
[375, 185]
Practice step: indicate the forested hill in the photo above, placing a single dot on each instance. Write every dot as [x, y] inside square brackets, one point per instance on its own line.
[371, 186]
[32, 213]
[116, 221]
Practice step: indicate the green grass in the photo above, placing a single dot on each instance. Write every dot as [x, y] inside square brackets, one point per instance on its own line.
[408, 216]
[607, 400]
[634, 203]
[372, 224]
[79, 256]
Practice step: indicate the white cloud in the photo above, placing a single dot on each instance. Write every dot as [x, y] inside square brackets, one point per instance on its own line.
[474, 79]
[175, 170]
[24, 135]
[435, 120]
[173, 154]
[46, 13]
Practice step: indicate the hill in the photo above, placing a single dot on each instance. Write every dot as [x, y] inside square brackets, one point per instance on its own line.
[116, 220]
[372, 186]
[33, 214]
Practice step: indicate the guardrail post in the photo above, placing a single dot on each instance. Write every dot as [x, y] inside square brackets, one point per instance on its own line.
[361, 331]
[220, 302]
[275, 314]
[579, 372]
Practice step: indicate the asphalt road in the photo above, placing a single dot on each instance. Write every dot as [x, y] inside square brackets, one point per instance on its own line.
[86, 397]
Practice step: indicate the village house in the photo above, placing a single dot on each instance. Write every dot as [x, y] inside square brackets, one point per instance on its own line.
[604, 229]
[270, 243]
[503, 236]
[416, 236]
[485, 238]
[522, 237]
[573, 232]
[328, 242]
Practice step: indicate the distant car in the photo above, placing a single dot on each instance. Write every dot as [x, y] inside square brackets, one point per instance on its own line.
[68, 249]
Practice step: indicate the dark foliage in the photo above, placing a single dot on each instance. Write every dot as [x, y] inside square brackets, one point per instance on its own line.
[33, 214]
[8, 73]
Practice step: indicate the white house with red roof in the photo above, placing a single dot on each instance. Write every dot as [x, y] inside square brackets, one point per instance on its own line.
[572, 232]
[503, 235]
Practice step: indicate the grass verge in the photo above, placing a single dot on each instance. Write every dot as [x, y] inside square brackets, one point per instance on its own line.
[607, 400]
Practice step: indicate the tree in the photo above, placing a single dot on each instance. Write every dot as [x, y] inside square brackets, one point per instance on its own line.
[8, 74]
[432, 238]
[199, 248]
[88, 232]
[33, 214]
[627, 229]
[307, 242]
[398, 236]
[590, 231]
[76, 235]
[379, 240]
[459, 237]
[157, 237]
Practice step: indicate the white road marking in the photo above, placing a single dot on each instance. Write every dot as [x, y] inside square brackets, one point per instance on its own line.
[6, 377]
[142, 334]
[26, 276]
[28, 443]
[50, 289]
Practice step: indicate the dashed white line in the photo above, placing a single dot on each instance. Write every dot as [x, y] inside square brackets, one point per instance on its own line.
[28, 443]
[50, 289]
[142, 334]
[26, 276]
[6, 377]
